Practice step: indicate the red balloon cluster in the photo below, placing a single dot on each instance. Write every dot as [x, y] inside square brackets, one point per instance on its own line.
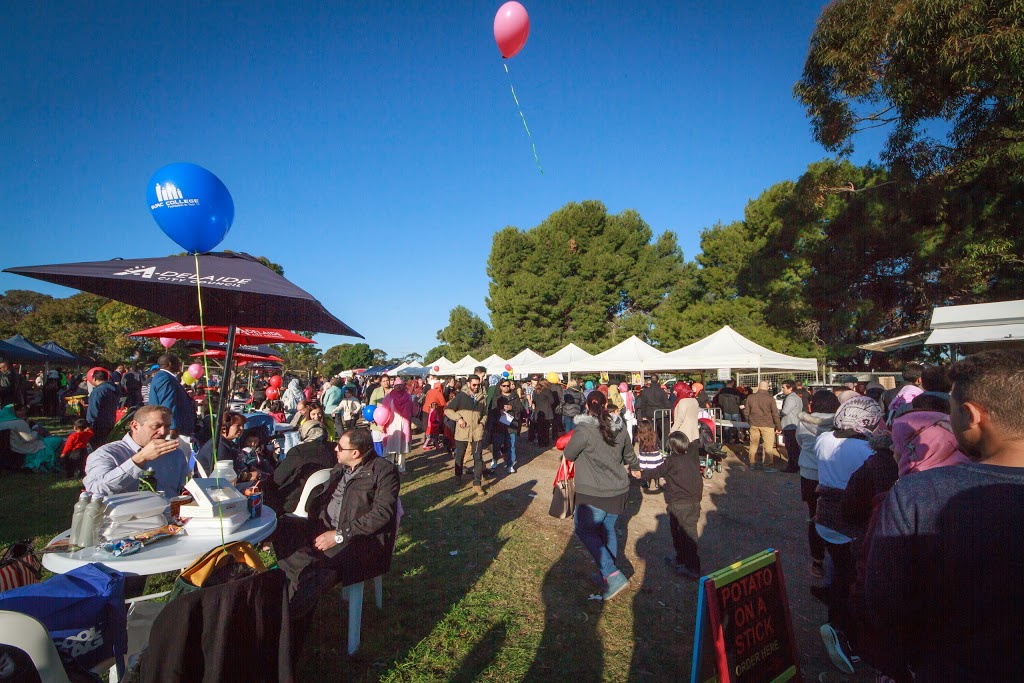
[273, 393]
[275, 381]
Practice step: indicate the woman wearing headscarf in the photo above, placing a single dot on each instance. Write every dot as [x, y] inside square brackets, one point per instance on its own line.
[628, 411]
[433, 407]
[292, 395]
[312, 428]
[840, 453]
[601, 449]
[398, 429]
[684, 412]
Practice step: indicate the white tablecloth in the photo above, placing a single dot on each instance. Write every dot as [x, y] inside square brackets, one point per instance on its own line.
[166, 555]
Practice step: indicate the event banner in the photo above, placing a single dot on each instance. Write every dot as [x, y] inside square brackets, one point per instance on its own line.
[744, 631]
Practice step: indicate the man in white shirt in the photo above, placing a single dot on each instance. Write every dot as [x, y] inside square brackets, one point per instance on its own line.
[117, 466]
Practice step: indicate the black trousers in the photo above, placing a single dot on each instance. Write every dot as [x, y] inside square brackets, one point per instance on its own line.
[792, 449]
[543, 427]
[99, 435]
[682, 522]
[74, 463]
[844, 572]
[478, 459]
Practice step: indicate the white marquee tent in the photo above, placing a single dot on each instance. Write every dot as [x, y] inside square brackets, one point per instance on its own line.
[463, 367]
[443, 365]
[727, 348]
[1000, 321]
[631, 355]
[524, 357]
[494, 363]
[562, 360]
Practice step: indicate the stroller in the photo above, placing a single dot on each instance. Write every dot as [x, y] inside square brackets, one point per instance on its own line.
[712, 453]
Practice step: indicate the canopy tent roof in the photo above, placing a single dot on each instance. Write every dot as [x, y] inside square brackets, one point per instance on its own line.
[58, 350]
[1001, 321]
[220, 353]
[443, 365]
[562, 360]
[495, 364]
[630, 355]
[463, 367]
[32, 353]
[727, 348]
[408, 369]
[524, 357]
[904, 341]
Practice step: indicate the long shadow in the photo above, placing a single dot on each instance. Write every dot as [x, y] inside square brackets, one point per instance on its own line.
[482, 655]
[448, 539]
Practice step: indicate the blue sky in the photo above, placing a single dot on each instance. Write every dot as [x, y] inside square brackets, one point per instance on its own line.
[373, 148]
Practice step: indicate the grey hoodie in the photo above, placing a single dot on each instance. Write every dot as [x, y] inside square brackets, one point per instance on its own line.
[807, 431]
[599, 466]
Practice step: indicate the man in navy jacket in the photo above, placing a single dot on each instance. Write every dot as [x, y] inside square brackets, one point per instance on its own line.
[102, 412]
[166, 390]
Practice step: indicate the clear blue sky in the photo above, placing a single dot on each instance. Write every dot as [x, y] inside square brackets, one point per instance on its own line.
[373, 148]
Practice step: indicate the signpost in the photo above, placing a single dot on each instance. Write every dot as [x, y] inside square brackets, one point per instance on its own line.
[744, 632]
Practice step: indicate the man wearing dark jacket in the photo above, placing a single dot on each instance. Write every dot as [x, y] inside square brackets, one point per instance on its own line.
[165, 390]
[765, 423]
[506, 419]
[729, 400]
[349, 534]
[653, 397]
[572, 405]
[102, 412]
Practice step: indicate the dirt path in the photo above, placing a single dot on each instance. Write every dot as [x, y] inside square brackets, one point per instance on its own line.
[742, 513]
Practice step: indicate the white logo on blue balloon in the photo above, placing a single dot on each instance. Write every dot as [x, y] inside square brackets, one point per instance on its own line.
[191, 205]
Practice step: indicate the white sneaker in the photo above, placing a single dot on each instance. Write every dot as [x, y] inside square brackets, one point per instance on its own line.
[833, 644]
[511, 469]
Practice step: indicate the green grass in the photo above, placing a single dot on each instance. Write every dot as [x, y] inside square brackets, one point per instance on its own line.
[509, 605]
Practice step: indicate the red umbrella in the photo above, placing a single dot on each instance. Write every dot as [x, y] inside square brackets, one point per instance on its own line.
[243, 335]
[220, 353]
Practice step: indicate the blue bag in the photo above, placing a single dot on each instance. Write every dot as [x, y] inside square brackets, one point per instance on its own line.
[83, 610]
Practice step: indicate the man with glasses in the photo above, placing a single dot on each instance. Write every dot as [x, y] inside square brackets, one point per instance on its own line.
[348, 535]
[468, 409]
[506, 419]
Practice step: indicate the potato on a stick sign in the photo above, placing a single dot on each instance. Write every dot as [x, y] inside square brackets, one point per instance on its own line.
[746, 621]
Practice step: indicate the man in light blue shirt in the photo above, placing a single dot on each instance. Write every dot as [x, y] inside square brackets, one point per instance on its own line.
[117, 466]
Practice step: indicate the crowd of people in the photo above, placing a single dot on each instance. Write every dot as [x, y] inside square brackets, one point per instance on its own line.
[914, 494]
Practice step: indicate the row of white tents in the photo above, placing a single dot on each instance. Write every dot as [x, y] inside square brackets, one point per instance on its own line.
[726, 348]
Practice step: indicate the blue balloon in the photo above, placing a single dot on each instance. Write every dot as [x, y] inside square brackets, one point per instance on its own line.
[368, 412]
[191, 205]
[504, 375]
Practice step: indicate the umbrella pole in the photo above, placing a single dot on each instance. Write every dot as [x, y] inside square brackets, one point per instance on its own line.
[225, 383]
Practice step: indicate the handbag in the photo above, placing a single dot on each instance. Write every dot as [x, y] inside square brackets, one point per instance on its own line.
[19, 566]
[563, 498]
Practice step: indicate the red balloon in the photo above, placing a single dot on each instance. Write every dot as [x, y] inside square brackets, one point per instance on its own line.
[508, 366]
[437, 368]
[511, 28]
[273, 393]
[88, 375]
[275, 381]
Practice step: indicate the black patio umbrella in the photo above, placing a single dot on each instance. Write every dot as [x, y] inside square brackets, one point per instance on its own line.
[237, 290]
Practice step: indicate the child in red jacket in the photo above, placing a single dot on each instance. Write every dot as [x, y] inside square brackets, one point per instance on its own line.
[76, 450]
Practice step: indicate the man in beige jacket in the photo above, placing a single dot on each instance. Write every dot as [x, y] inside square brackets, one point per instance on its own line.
[468, 409]
[763, 417]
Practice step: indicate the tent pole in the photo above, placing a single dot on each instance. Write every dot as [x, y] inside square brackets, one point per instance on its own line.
[225, 383]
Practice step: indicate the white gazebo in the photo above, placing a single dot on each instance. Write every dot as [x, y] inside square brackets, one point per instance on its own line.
[443, 365]
[563, 360]
[524, 357]
[727, 348]
[494, 363]
[1001, 321]
[463, 367]
[631, 355]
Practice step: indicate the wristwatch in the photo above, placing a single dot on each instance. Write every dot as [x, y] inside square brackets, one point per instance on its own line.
[339, 538]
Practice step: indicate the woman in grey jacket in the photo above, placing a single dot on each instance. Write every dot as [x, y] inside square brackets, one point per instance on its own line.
[601, 450]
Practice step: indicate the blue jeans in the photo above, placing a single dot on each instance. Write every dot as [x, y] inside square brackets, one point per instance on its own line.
[504, 441]
[596, 530]
[568, 424]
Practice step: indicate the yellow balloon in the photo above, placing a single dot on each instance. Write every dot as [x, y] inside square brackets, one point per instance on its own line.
[188, 379]
[553, 377]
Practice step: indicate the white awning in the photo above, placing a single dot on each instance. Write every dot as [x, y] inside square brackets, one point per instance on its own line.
[999, 321]
[727, 348]
[563, 360]
[631, 355]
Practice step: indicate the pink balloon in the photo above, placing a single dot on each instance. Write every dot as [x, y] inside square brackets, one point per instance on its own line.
[382, 415]
[196, 370]
[167, 342]
[511, 28]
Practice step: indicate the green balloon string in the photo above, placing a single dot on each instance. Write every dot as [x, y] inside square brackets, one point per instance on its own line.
[512, 87]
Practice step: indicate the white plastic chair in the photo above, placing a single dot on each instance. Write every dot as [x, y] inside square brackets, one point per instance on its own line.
[141, 615]
[354, 596]
[28, 634]
[316, 479]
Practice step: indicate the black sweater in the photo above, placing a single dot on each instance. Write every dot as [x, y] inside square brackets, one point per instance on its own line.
[683, 481]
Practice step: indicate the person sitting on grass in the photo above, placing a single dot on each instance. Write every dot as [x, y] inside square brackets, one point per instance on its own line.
[39, 452]
[76, 450]
[684, 489]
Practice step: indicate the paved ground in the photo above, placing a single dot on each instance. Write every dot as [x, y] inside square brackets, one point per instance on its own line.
[743, 512]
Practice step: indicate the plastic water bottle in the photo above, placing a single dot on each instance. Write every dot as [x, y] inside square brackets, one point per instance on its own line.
[76, 519]
[225, 469]
[92, 518]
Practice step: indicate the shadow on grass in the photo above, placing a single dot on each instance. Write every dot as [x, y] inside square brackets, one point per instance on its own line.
[449, 537]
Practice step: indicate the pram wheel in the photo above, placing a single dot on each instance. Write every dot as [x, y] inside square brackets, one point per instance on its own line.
[709, 471]
[718, 466]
